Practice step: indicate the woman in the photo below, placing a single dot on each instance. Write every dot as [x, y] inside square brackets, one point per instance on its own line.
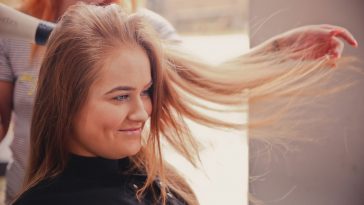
[114, 71]
[108, 94]
[19, 67]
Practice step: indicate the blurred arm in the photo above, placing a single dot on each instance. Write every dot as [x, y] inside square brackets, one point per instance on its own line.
[6, 101]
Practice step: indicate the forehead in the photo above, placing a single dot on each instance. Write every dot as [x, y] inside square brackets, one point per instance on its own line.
[127, 65]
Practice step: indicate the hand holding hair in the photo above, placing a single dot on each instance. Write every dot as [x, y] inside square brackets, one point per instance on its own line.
[314, 41]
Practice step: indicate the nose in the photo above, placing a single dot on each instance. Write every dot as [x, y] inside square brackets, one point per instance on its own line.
[139, 111]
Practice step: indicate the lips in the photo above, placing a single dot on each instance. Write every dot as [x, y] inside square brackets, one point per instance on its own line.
[131, 129]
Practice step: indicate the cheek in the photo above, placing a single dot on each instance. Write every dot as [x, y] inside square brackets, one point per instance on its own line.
[110, 116]
[148, 106]
[101, 117]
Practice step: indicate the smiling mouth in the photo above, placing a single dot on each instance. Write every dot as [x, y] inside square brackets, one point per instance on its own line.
[132, 131]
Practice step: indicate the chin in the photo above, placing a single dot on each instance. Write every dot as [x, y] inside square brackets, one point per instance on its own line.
[127, 152]
[134, 151]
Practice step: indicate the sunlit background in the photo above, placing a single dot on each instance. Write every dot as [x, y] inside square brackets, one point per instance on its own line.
[215, 31]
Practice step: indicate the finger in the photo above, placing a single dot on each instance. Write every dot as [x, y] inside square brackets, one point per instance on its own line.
[328, 26]
[331, 27]
[337, 48]
[340, 32]
[344, 34]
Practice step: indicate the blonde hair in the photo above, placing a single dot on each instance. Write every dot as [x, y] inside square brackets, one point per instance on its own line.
[77, 47]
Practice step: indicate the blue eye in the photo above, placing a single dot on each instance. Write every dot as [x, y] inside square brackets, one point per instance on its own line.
[121, 97]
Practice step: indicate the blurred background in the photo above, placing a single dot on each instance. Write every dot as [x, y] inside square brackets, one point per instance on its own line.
[329, 171]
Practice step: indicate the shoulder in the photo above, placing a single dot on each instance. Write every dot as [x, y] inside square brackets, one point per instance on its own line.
[7, 43]
[3, 45]
[14, 53]
[42, 193]
[15, 48]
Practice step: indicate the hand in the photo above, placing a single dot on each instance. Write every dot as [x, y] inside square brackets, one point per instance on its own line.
[314, 41]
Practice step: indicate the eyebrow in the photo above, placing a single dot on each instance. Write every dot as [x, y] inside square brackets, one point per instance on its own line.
[126, 88]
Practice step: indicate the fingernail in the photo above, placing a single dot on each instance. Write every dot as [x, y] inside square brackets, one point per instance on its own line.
[356, 43]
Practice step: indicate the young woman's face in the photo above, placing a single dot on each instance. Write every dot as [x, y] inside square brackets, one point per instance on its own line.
[110, 122]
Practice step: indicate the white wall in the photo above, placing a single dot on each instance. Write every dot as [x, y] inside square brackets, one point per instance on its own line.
[331, 170]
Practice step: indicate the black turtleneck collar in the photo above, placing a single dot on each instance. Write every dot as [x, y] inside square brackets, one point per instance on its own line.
[90, 167]
[94, 181]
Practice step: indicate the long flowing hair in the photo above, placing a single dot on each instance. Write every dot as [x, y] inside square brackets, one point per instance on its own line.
[77, 48]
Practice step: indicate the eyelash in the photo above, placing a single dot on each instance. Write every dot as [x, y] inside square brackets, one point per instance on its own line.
[147, 92]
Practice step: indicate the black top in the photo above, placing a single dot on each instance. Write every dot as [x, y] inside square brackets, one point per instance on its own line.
[91, 181]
